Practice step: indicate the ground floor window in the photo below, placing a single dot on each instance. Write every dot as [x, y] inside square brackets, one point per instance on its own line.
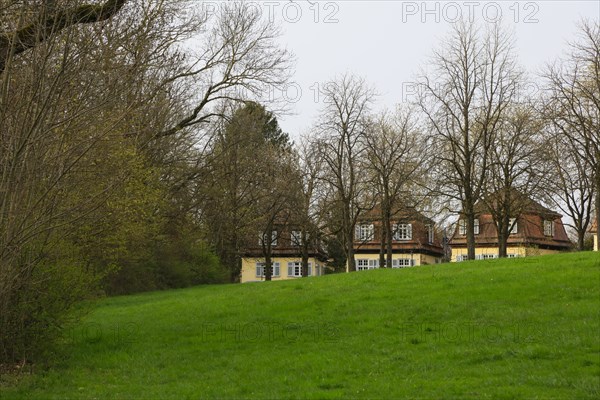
[260, 269]
[365, 264]
[462, 257]
[295, 269]
[486, 256]
[403, 262]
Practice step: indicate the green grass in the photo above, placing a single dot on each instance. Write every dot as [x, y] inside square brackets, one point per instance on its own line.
[524, 328]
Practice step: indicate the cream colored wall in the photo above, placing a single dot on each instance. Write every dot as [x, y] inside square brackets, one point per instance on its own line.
[532, 251]
[420, 259]
[519, 251]
[249, 268]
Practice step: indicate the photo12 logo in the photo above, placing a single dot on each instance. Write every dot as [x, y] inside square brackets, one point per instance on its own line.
[451, 12]
[288, 11]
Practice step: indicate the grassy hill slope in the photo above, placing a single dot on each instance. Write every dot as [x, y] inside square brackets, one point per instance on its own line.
[524, 328]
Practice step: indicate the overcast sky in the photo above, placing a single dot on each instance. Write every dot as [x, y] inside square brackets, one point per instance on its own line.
[387, 42]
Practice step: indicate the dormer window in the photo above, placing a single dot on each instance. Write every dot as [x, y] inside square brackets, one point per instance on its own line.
[549, 228]
[296, 238]
[402, 231]
[512, 226]
[430, 234]
[264, 239]
[365, 232]
[462, 226]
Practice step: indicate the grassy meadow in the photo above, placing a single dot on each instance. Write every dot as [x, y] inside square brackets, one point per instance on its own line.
[503, 329]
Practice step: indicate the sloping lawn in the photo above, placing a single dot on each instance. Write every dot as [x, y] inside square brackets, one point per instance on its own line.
[518, 328]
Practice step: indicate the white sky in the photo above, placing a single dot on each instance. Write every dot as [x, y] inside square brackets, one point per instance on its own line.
[386, 42]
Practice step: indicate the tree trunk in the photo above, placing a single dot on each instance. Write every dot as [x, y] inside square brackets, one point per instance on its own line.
[502, 239]
[351, 264]
[388, 237]
[305, 248]
[580, 239]
[470, 235]
[268, 266]
[382, 237]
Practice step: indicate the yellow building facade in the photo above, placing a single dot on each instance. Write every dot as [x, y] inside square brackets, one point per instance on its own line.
[486, 253]
[366, 261]
[536, 231]
[284, 268]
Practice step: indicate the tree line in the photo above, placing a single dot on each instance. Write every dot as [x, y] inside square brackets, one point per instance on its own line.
[134, 155]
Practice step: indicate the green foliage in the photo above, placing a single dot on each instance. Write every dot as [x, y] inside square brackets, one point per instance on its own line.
[335, 250]
[512, 328]
[37, 312]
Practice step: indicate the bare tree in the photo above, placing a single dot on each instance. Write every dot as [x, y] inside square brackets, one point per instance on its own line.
[474, 79]
[341, 130]
[239, 60]
[393, 151]
[517, 167]
[46, 21]
[308, 199]
[573, 100]
[570, 185]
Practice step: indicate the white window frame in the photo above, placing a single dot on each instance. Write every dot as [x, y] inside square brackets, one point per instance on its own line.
[295, 267]
[296, 238]
[512, 255]
[486, 256]
[403, 262]
[364, 264]
[430, 233]
[515, 227]
[365, 232]
[462, 257]
[462, 227]
[260, 269]
[549, 228]
[402, 232]
[262, 237]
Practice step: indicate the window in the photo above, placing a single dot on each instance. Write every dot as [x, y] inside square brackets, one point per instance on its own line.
[403, 262]
[486, 256]
[512, 255]
[262, 238]
[260, 269]
[365, 232]
[296, 238]
[430, 234]
[402, 232]
[462, 257]
[364, 264]
[462, 226]
[295, 269]
[549, 228]
[512, 226]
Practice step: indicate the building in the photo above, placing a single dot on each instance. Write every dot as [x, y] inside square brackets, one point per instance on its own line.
[594, 232]
[415, 240]
[536, 231]
[286, 259]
